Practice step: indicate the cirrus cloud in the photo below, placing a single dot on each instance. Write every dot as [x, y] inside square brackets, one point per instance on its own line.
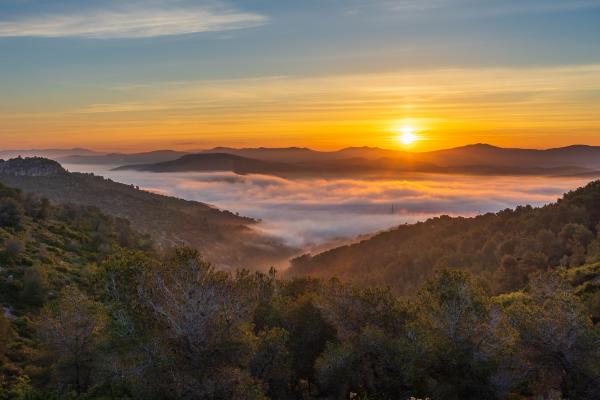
[139, 21]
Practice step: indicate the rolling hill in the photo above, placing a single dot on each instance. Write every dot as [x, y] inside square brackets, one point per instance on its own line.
[226, 239]
[502, 248]
[478, 159]
[48, 153]
[123, 158]
[479, 154]
[213, 162]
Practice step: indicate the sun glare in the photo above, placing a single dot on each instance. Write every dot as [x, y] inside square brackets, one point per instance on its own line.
[407, 135]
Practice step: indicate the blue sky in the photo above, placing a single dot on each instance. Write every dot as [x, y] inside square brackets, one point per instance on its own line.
[290, 37]
[59, 55]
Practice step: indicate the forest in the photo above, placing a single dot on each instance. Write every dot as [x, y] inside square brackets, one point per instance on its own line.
[169, 220]
[502, 249]
[502, 306]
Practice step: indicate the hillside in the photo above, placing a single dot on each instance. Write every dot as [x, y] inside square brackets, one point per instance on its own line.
[580, 156]
[123, 158]
[484, 154]
[89, 311]
[502, 248]
[43, 248]
[48, 153]
[226, 239]
[478, 159]
[212, 162]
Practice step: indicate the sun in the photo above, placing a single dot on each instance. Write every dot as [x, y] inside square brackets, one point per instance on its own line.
[407, 135]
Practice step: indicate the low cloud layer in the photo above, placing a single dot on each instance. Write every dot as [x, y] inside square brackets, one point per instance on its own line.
[137, 21]
[311, 212]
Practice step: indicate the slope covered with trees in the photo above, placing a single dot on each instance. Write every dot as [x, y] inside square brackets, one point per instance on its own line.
[90, 312]
[503, 248]
[44, 248]
[226, 239]
[175, 328]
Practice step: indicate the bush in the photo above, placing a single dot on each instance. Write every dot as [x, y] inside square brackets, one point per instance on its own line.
[11, 213]
[13, 248]
[34, 286]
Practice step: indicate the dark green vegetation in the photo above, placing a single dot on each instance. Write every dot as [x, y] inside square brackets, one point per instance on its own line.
[44, 248]
[170, 221]
[502, 249]
[143, 328]
[92, 312]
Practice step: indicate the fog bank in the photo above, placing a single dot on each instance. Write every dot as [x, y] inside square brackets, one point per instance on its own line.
[310, 212]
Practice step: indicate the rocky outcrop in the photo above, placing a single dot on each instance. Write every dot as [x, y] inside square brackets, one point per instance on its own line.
[34, 166]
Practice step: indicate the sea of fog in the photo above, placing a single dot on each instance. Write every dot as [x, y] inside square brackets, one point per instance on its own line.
[311, 212]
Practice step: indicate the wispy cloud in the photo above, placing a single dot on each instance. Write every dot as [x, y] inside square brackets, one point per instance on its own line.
[471, 8]
[548, 106]
[138, 21]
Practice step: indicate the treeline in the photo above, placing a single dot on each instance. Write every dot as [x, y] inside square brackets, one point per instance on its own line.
[503, 249]
[176, 328]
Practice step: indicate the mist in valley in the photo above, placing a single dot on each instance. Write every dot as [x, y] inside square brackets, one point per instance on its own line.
[314, 214]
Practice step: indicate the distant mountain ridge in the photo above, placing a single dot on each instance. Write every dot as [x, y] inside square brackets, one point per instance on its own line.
[124, 158]
[47, 153]
[212, 162]
[582, 156]
[477, 159]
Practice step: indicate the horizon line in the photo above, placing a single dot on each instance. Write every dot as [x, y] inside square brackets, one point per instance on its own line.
[200, 150]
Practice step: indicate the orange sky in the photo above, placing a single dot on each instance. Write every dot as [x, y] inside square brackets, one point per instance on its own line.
[535, 107]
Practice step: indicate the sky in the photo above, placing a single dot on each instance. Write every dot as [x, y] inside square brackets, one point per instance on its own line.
[190, 74]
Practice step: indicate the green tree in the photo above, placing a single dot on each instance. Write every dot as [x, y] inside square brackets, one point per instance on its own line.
[13, 248]
[558, 338]
[451, 330]
[371, 364]
[6, 335]
[271, 363]
[11, 213]
[35, 286]
[575, 238]
[193, 322]
[37, 208]
[71, 328]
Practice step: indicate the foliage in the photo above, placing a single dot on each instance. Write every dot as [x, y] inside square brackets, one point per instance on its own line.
[11, 213]
[70, 327]
[90, 313]
[54, 246]
[503, 249]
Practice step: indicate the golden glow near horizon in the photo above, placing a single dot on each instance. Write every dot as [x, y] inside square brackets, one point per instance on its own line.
[188, 74]
[519, 107]
[406, 135]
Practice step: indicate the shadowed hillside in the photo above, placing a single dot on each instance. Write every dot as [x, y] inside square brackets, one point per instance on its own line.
[123, 158]
[226, 239]
[478, 159]
[213, 162]
[89, 312]
[502, 248]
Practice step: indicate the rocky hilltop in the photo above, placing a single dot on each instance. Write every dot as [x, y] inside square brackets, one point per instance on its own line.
[34, 166]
